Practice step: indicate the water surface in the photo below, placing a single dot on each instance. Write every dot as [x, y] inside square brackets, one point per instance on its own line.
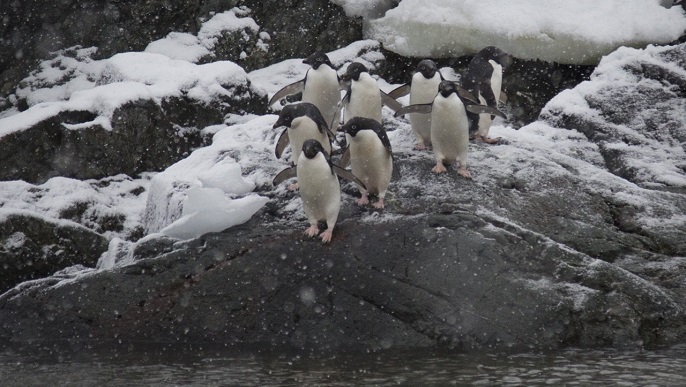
[212, 368]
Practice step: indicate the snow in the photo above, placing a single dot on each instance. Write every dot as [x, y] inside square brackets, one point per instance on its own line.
[574, 32]
[194, 48]
[365, 8]
[123, 78]
[658, 155]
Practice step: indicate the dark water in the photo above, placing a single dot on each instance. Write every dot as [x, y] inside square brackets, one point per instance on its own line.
[665, 367]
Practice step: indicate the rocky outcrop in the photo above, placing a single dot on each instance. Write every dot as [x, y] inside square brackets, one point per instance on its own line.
[493, 263]
[33, 247]
[551, 244]
[634, 115]
[33, 29]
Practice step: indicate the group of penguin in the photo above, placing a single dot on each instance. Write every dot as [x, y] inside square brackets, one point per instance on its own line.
[442, 116]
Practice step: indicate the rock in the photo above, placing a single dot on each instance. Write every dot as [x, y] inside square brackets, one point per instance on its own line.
[143, 138]
[641, 90]
[30, 34]
[33, 247]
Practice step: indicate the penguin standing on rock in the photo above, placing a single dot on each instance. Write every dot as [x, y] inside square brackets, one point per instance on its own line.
[449, 125]
[484, 79]
[321, 87]
[302, 121]
[319, 187]
[371, 157]
[363, 97]
[422, 89]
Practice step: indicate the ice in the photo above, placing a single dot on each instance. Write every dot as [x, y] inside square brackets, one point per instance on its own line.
[209, 210]
[575, 32]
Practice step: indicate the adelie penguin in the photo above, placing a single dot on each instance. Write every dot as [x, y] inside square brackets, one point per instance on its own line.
[302, 121]
[320, 87]
[449, 125]
[371, 157]
[319, 187]
[363, 97]
[422, 89]
[484, 79]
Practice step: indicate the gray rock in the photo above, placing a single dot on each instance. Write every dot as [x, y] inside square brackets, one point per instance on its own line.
[33, 247]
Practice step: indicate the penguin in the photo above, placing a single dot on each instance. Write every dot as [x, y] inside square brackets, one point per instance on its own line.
[363, 97]
[319, 187]
[449, 125]
[371, 157]
[320, 87]
[422, 89]
[484, 79]
[302, 121]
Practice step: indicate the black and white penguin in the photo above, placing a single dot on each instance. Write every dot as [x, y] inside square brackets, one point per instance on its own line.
[363, 97]
[319, 187]
[484, 79]
[302, 121]
[422, 89]
[320, 87]
[449, 125]
[371, 157]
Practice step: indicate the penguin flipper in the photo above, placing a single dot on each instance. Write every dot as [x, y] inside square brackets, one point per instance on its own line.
[344, 173]
[284, 175]
[282, 143]
[345, 158]
[467, 95]
[293, 88]
[483, 109]
[424, 108]
[400, 91]
[390, 102]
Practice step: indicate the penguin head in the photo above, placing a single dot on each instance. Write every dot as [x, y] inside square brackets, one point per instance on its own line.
[354, 71]
[311, 147]
[291, 112]
[355, 124]
[302, 109]
[428, 68]
[499, 56]
[445, 88]
[317, 59]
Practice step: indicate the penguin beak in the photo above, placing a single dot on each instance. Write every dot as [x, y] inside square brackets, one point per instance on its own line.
[278, 124]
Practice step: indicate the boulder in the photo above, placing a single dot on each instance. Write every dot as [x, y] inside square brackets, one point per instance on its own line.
[33, 246]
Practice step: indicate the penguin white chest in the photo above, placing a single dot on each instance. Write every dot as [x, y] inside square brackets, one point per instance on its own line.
[423, 91]
[485, 120]
[449, 129]
[370, 161]
[319, 189]
[365, 99]
[323, 91]
[302, 129]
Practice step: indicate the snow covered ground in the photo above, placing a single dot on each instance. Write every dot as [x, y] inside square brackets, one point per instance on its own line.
[226, 183]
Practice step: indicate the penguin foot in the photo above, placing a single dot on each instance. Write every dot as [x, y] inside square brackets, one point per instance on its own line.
[327, 235]
[420, 147]
[364, 200]
[293, 187]
[312, 231]
[379, 204]
[462, 171]
[439, 168]
[489, 140]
